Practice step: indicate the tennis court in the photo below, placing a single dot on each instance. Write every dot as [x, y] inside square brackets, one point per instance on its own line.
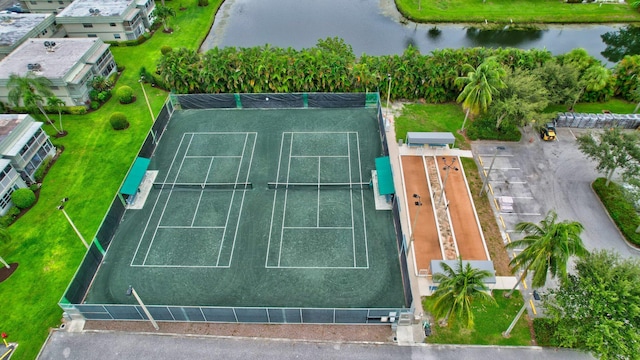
[258, 207]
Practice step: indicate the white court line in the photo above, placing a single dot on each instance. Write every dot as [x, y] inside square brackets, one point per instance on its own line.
[315, 156]
[364, 218]
[273, 207]
[320, 267]
[188, 227]
[210, 156]
[284, 210]
[233, 195]
[156, 202]
[217, 133]
[353, 230]
[165, 205]
[195, 213]
[318, 227]
[244, 193]
[318, 196]
[182, 266]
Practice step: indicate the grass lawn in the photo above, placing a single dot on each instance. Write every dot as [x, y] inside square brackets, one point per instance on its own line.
[431, 117]
[89, 172]
[618, 106]
[520, 11]
[490, 321]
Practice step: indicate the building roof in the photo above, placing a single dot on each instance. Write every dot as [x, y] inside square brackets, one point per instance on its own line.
[53, 64]
[13, 27]
[80, 8]
[8, 122]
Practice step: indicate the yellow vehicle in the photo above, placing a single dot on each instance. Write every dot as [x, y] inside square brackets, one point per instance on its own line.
[548, 132]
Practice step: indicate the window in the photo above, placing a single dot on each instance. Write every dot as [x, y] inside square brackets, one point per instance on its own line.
[50, 1]
[116, 36]
[92, 35]
[34, 3]
[6, 199]
[112, 24]
[87, 25]
[61, 2]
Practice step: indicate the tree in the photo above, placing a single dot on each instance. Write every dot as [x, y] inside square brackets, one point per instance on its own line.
[595, 78]
[479, 86]
[58, 103]
[30, 90]
[546, 249]
[523, 98]
[163, 13]
[597, 309]
[561, 81]
[456, 290]
[614, 149]
[624, 41]
[635, 95]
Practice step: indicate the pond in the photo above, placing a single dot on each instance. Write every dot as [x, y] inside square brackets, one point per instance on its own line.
[375, 27]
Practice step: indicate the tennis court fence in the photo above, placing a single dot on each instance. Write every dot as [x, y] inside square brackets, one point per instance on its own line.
[72, 301]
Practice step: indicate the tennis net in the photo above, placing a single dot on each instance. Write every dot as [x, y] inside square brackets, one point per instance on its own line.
[318, 186]
[204, 186]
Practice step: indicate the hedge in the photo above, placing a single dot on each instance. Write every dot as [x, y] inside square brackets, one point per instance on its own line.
[620, 208]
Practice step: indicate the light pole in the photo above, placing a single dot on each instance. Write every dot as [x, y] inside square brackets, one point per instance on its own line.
[507, 333]
[417, 203]
[446, 167]
[486, 178]
[388, 94]
[61, 208]
[132, 291]
[146, 98]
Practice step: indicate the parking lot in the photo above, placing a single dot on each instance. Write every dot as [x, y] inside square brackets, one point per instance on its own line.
[543, 175]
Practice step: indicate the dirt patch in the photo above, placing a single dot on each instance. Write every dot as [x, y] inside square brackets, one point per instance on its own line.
[358, 333]
[490, 228]
[6, 272]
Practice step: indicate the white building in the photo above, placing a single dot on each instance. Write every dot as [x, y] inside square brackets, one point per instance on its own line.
[44, 6]
[23, 148]
[17, 28]
[70, 64]
[109, 20]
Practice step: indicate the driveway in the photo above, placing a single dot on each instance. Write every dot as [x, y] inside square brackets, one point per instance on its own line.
[541, 176]
[107, 345]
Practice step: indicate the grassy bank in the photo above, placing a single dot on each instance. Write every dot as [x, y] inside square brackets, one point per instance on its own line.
[620, 208]
[518, 11]
[89, 172]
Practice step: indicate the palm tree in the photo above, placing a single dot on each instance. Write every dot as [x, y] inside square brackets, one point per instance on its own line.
[595, 78]
[480, 85]
[58, 103]
[457, 288]
[30, 90]
[547, 248]
[163, 13]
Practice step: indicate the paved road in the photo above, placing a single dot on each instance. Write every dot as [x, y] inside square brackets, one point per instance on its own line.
[103, 346]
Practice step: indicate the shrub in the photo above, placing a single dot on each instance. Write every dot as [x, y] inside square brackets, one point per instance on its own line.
[23, 198]
[203, 2]
[3, 108]
[119, 121]
[94, 105]
[484, 128]
[10, 216]
[75, 110]
[125, 94]
[39, 174]
[165, 49]
[620, 207]
[544, 329]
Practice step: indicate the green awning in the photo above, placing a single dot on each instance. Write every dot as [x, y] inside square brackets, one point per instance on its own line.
[385, 177]
[134, 178]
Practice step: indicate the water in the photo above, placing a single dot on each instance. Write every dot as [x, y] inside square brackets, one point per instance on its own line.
[375, 27]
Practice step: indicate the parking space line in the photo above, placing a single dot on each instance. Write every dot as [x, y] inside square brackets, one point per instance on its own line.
[524, 283]
[504, 168]
[491, 189]
[522, 197]
[502, 221]
[504, 155]
[508, 237]
[533, 308]
[496, 202]
[523, 214]
[517, 182]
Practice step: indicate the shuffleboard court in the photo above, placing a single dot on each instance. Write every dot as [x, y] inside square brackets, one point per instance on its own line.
[258, 208]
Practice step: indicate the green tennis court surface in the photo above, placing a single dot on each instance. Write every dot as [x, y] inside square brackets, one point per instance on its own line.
[259, 208]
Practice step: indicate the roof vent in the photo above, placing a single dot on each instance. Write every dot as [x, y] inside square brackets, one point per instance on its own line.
[91, 11]
[49, 45]
[34, 67]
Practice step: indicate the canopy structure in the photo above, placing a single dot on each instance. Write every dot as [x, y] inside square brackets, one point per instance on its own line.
[134, 178]
[478, 264]
[430, 138]
[385, 177]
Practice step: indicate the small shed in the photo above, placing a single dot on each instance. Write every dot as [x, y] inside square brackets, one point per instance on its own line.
[440, 139]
